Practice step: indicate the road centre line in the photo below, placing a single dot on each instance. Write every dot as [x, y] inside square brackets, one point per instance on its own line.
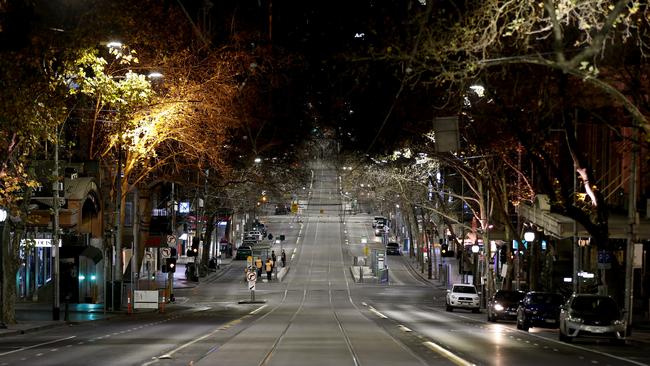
[36, 345]
[448, 354]
[258, 309]
[169, 354]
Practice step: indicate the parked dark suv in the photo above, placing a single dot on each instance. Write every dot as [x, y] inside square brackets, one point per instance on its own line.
[539, 309]
[503, 305]
[392, 249]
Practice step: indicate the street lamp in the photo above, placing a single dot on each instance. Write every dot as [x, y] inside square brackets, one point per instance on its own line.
[529, 236]
[3, 218]
[475, 250]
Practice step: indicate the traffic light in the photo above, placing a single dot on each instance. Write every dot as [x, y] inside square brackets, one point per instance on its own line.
[170, 263]
[503, 254]
[194, 251]
[443, 250]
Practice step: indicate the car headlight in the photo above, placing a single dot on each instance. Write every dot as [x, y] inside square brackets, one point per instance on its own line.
[453, 297]
[574, 319]
[498, 307]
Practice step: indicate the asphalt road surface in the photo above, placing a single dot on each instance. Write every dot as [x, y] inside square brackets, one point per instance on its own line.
[317, 315]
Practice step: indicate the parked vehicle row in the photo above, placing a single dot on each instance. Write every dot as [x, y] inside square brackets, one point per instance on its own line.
[581, 316]
[250, 239]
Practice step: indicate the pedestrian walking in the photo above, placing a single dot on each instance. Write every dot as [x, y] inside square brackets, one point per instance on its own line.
[259, 265]
[273, 257]
[269, 269]
[283, 257]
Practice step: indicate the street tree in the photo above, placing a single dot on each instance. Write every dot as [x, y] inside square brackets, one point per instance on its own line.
[457, 43]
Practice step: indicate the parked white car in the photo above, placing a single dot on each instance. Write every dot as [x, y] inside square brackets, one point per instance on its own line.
[463, 296]
[254, 234]
[592, 316]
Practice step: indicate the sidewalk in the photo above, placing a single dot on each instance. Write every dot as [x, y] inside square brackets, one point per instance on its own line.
[36, 316]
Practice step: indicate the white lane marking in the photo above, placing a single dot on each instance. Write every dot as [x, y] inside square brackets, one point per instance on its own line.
[258, 309]
[36, 345]
[585, 349]
[404, 329]
[169, 354]
[448, 354]
[377, 313]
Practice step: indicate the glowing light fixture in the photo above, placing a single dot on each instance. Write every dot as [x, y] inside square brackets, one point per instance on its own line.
[114, 44]
[154, 75]
[478, 89]
[529, 236]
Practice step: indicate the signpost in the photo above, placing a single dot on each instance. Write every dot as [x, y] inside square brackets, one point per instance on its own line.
[251, 276]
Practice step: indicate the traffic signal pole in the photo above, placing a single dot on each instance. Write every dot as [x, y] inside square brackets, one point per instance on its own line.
[170, 275]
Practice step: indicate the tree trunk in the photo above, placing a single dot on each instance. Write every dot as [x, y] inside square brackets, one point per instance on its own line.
[10, 265]
[144, 215]
[207, 241]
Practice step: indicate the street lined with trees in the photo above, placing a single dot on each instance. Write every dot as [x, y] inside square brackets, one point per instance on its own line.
[543, 107]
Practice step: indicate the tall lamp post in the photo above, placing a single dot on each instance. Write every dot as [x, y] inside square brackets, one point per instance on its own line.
[475, 250]
[529, 237]
[3, 218]
[56, 304]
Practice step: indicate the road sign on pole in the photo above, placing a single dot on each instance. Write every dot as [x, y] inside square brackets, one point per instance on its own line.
[165, 252]
[251, 277]
[171, 240]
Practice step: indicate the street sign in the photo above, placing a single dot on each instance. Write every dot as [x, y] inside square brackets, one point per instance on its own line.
[165, 252]
[171, 240]
[251, 276]
[604, 259]
[251, 285]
